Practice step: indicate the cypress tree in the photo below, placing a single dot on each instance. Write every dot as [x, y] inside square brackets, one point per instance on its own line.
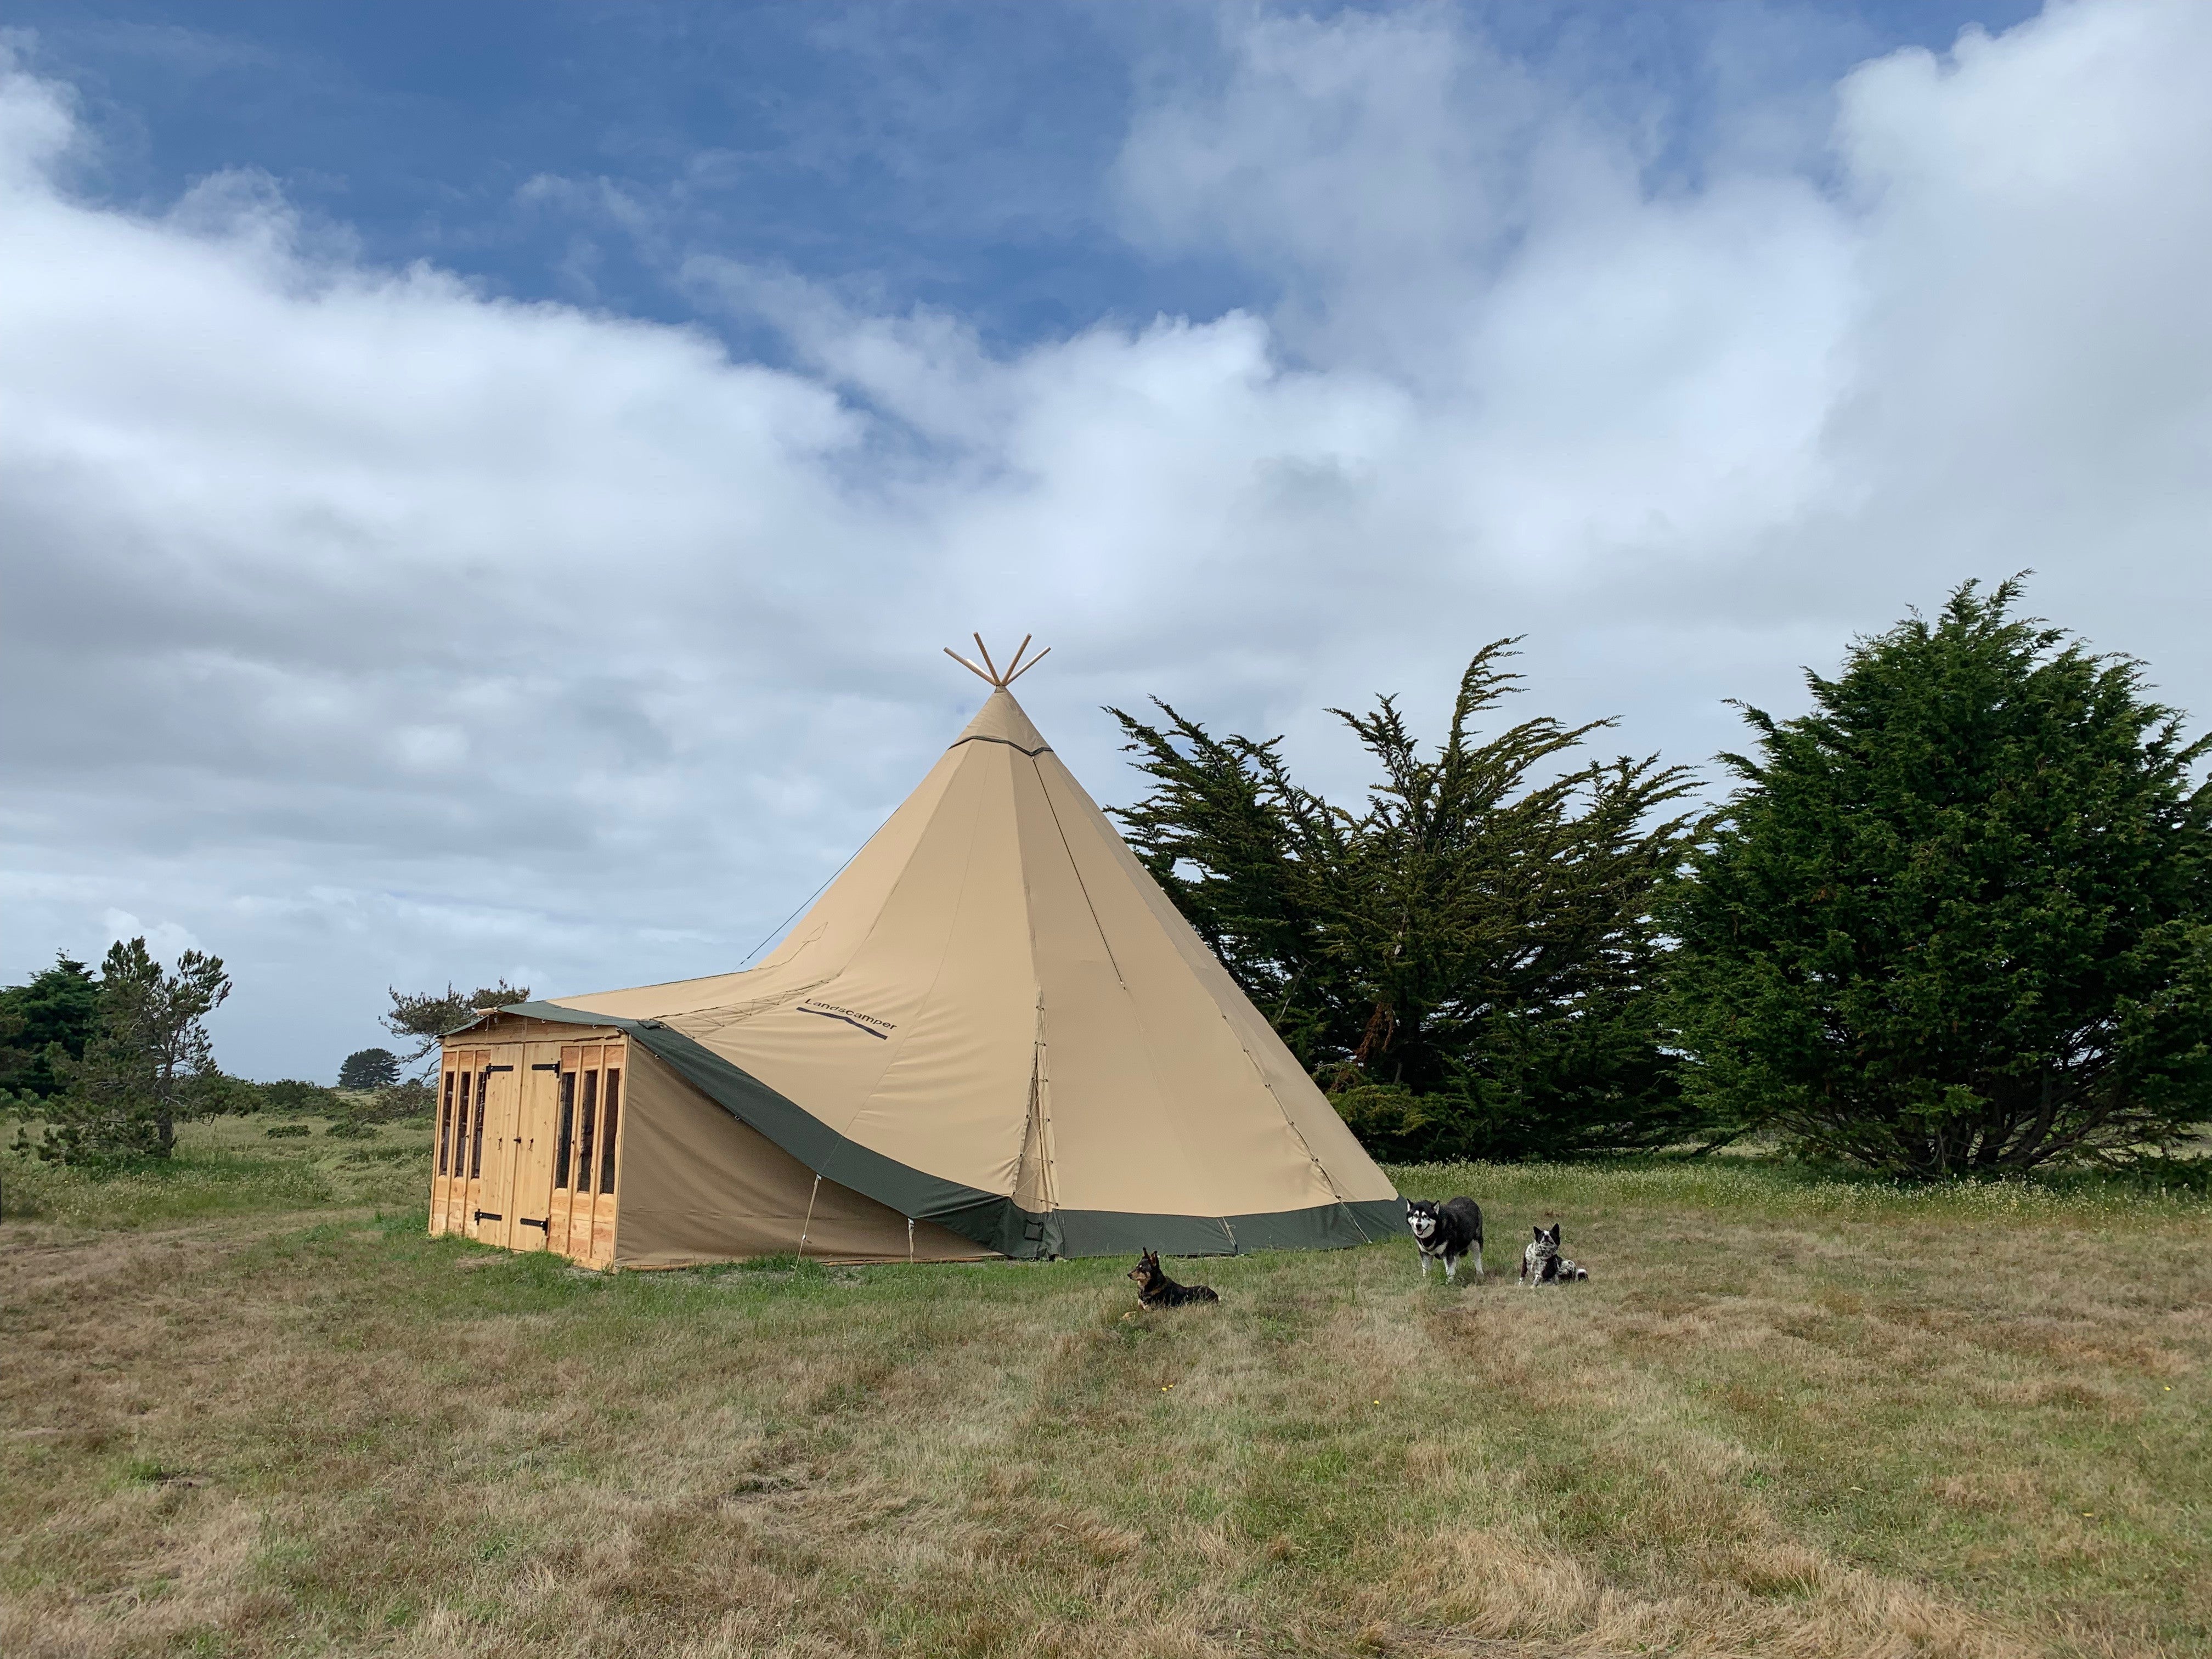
[1466, 960]
[1958, 919]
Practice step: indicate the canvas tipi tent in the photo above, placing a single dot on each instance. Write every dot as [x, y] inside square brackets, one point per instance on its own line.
[995, 1035]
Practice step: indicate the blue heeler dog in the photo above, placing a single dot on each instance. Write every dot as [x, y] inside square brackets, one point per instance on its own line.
[1542, 1264]
[1451, 1230]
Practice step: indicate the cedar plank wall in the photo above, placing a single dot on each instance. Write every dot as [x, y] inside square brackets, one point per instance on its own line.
[468, 1161]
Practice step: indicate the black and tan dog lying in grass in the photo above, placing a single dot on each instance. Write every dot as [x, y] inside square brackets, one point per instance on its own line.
[1156, 1290]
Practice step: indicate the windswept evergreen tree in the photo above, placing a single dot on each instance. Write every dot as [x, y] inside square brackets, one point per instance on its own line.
[148, 1064]
[1466, 960]
[425, 1018]
[1959, 918]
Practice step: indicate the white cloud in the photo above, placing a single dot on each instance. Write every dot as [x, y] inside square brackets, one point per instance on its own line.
[165, 940]
[378, 631]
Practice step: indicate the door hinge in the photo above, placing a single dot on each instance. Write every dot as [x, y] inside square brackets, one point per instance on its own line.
[528, 1221]
[488, 1215]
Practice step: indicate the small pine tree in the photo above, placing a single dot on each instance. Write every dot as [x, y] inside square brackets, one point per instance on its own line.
[1959, 919]
[369, 1068]
[57, 1006]
[149, 1065]
[426, 1018]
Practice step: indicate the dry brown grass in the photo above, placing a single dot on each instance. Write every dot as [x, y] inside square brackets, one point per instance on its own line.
[1785, 1420]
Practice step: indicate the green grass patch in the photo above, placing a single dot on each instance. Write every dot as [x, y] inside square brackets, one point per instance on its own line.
[1791, 1413]
[223, 1166]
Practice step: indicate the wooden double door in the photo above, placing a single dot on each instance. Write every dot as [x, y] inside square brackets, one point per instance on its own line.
[529, 1145]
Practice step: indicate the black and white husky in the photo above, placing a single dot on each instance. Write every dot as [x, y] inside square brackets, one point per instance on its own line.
[1451, 1230]
[1542, 1264]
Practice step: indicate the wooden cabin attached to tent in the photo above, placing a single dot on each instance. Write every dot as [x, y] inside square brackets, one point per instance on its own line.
[558, 1138]
[994, 1036]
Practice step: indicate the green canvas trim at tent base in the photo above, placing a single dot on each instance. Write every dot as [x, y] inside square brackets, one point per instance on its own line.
[990, 1219]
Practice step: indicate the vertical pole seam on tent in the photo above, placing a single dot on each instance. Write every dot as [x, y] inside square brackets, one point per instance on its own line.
[1042, 1062]
[1031, 1160]
[845, 1134]
[1259, 1072]
[1136, 1012]
[1040, 1123]
[1081, 885]
[1289, 1122]
[1328, 1179]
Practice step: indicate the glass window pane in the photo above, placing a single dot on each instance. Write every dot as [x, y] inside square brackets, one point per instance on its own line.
[567, 1131]
[584, 1147]
[607, 1131]
[446, 1124]
[461, 1125]
[476, 1141]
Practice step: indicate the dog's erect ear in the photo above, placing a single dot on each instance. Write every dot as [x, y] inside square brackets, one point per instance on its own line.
[1555, 1231]
[1538, 1231]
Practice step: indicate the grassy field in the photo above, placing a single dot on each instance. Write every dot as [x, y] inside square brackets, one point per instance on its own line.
[247, 1407]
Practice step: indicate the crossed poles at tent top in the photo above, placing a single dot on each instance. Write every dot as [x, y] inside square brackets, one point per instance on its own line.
[1013, 671]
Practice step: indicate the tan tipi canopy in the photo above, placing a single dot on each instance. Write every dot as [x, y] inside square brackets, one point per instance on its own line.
[995, 1026]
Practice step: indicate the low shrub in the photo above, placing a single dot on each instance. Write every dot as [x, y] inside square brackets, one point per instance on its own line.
[298, 1098]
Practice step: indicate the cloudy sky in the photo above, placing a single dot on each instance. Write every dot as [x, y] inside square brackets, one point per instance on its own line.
[482, 489]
